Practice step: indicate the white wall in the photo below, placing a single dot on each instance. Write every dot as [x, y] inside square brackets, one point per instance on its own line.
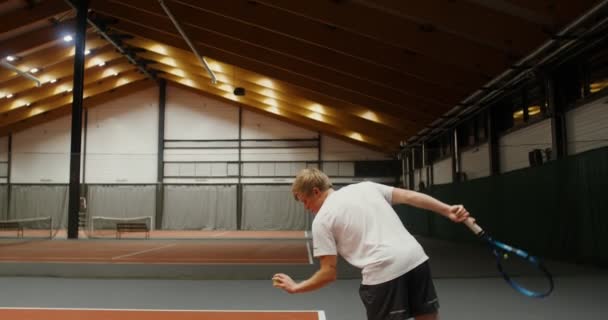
[42, 154]
[587, 127]
[475, 162]
[333, 149]
[3, 148]
[3, 159]
[258, 126]
[189, 116]
[515, 146]
[442, 171]
[122, 140]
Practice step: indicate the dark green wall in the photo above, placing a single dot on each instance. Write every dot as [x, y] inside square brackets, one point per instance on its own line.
[558, 210]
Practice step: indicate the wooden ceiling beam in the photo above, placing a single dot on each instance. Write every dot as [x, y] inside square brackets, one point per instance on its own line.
[109, 83]
[51, 91]
[410, 117]
[283, 105]
[405, 34]
[556, 12]
[343, 134]
[66, 109]
[46, 58]
[353, 96]
[392, 58]
[427, 95]
[42, 10]
[251, 82]
[553, 15]
[463, 19]
[218, 30]
[59, 71]
[39, 38]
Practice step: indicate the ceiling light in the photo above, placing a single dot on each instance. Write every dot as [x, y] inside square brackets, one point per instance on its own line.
[101, 64]
[317, 108]
[34, 70]
[266, 82]
[10, 95]
[28, 104]
[86, 52]
[271, 102]
[115, 74]
[11, 58]
[53, 80]
[68, 38]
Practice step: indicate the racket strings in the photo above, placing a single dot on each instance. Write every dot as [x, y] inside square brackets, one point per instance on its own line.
[524, 272]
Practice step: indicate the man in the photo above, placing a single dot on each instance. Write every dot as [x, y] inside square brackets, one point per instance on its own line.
[359, 223]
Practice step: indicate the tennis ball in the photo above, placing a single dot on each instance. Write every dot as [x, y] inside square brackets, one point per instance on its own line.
[505, 256]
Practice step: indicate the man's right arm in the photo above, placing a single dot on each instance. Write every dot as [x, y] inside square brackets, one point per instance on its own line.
[456, 213]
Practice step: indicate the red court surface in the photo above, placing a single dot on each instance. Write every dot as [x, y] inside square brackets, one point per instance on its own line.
[192, 234]
[209, 251]
[139, 314]
[160, 234]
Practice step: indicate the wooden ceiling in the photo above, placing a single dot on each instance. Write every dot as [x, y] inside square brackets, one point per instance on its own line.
[370, 72]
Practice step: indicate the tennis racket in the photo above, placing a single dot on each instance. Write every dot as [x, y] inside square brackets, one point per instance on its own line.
[512, 262]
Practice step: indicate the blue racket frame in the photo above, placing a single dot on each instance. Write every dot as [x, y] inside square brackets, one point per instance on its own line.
[499, 249]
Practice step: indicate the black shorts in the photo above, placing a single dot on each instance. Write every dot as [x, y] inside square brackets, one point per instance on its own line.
[410, 295]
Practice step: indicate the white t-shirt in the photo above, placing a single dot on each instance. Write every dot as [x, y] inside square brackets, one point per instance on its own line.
[359, 223]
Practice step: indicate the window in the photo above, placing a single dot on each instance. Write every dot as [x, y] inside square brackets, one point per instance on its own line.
[598, 71]
[517, 110]
[523, 106]
[534, 102]
[583, 76]
[439, 148]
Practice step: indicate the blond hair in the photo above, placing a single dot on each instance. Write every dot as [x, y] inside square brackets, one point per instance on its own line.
[310, 178]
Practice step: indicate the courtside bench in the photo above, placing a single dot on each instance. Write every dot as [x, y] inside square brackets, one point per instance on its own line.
[131, 227]
[12, 226]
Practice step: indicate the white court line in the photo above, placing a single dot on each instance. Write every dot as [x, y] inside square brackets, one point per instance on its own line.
[219, 234]
[144, 251]
[310, 261]
[206, 261]
[321, 315]
[319, 312]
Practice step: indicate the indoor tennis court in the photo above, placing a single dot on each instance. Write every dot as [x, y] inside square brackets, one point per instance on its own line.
[266, 160]
[156, 314]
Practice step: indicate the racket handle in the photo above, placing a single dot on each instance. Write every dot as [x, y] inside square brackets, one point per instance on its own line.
[473, 226]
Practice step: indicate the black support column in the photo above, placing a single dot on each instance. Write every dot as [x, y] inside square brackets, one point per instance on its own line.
[320, 152]
[239, 185]
[8, 176]
[555, 104]
[160, 165]
[76, 134]
[493, 143]
[410, 168]
[455, 155]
